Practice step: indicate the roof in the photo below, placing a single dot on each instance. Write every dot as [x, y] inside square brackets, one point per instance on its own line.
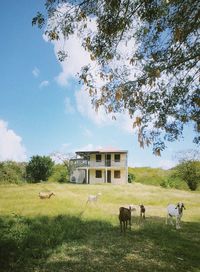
[81, 153]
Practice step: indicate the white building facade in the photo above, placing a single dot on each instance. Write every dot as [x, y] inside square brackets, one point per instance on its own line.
[94, 167]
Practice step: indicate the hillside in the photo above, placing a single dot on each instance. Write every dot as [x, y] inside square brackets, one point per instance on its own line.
[157, 176]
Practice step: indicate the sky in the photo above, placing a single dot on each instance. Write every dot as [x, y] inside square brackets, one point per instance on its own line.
[44, 109]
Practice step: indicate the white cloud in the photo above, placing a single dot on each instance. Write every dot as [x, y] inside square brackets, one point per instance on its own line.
[166, 164]
[68, 106]
[84, 106]
[101, 118]
[36, 72]
[44, 83]
[79, 57]
[11, 147]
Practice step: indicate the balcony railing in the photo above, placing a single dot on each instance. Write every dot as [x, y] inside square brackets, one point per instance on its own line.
[108, 163]
[79, 163]
[105, 163]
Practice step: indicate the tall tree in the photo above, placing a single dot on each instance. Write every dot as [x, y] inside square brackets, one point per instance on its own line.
[188, 168]
[147, 58]
[39, 168]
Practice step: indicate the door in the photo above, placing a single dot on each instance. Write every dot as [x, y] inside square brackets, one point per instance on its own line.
[88, 176]
[108, 176]
[108, 160]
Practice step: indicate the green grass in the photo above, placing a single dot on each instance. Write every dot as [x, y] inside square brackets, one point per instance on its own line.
[65, 234]
[148, 175]
[157, 176]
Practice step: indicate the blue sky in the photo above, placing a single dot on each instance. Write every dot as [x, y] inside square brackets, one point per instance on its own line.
[43, 109]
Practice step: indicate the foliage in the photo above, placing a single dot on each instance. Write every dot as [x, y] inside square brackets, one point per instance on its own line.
[39, 168]
[173, 182]
[156, 79]
[66, 159]
[12, 172]
[188, 168]
[167, 183]
[189, 171]
[59, 174]
[131, 177]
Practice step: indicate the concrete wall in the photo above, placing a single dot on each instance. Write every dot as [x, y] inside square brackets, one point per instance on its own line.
[79, 175]
[121, 180]
[122, 163]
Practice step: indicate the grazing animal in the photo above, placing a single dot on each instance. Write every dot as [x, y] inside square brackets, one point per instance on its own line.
[124, 218]
[45, 195]
[93, 198]
[142, 211]
[133, 208]
[175, 211]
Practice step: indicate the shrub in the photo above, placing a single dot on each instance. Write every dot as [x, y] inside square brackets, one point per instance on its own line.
[189, 171]
[168, 183]
[59, 174]
[173, 181]
[39, 168]
[131, 177]
[12, 172]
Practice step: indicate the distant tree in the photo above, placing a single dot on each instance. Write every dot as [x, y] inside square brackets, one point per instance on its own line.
[156, 80]
[188, 168]
[189, 171]
[39, 168]
[59, 174]
[65, 159]
[12, 172]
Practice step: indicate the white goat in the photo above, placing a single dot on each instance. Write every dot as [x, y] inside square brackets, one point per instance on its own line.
[44, 195]
[93, 198]
[132, 207]
[175, 211]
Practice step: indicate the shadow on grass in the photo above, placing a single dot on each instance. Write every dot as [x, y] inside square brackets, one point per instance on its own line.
[67, 243]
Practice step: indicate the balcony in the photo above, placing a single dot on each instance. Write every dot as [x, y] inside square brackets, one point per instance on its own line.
[93, 164]
[79, 163]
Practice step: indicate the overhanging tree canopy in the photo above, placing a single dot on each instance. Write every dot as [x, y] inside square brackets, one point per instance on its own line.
[147, 55]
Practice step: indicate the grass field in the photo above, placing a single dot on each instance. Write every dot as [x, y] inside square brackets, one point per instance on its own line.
[65, 234]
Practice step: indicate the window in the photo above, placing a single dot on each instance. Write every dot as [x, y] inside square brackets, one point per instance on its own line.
[117, 174]
[117, 157]
[98, 174]
[98, 158]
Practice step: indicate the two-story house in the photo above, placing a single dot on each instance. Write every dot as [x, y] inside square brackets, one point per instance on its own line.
[102, 166]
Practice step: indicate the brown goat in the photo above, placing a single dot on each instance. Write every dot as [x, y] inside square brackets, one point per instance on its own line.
[124, 218]
[44, 195]
[142, 211]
